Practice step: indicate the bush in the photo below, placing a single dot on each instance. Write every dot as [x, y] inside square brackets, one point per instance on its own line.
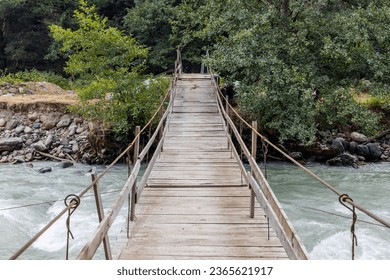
[35, 76]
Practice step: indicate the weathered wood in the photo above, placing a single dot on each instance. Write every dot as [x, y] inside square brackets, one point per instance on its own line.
[100, 212]
[90, 248]
[195, 204]
[254, 153]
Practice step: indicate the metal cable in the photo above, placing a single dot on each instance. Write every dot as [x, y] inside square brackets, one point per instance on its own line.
[323, 182]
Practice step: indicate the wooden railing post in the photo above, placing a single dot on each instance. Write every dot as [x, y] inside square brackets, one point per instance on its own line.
[100, 212]
[227, 124]
[133, 193]
[254, 153]
[161, 113]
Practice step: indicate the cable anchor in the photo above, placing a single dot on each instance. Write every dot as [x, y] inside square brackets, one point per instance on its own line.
[342, 199]
[72, 201]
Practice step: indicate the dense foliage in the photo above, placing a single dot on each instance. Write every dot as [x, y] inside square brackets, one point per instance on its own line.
[298, 62]
[301, 66]
[107, 66]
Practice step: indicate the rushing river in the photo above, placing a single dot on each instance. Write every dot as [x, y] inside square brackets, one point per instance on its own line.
[22, 186]
[314, 211]
[322, 222]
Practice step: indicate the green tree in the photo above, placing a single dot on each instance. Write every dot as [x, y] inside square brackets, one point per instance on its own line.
[294, 58]
[24, 36]
[108, 67]
[150, 22]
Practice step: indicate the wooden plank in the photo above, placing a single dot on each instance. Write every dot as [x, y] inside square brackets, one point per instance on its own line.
[200, 219]
[196, 205]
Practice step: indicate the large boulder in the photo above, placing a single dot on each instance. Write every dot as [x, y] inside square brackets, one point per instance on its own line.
[362, 150]
[358, 137]
[375, 151]
[353, 147]
[11, 144]
[337, 145]
[344, 159]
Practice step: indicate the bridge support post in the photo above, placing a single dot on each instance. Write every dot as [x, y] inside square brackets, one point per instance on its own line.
[227, 123]
[254, 153]
[133, 195]
[161, 113]
[100, 212]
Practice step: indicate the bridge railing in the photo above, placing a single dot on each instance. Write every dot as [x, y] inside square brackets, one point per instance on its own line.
[259, 186]
[129, 192]
[262, 191]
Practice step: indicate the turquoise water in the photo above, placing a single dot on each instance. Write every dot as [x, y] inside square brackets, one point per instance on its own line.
[314, 211]
[21, 185]
[322, 222]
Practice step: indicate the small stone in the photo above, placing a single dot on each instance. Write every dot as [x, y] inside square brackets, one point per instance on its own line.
[64, 121]
[72, 130]
[64, 141]
[29, 165]
[45, 170]
[12, 90]
[19, 159]
[79, 130]
[33, 116]
[358, 137]
[27, 130]
[37, 126]
[21, 90]
[12, 124]
[39, 146]
[49, 124]
[49, 140]
[65, 164]
[61, 155]
[19, 129]
[2, 122]
[29, 157]
[29, 142]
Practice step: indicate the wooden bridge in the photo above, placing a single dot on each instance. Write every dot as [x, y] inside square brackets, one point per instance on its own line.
[196, 199]
[196, 204]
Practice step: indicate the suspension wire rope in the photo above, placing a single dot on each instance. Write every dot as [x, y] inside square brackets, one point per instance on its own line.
[332, 214]
[72, 204]
[48, 202]
[312, 174]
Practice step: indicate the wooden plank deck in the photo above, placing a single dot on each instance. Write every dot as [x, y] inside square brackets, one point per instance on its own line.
[195, 205]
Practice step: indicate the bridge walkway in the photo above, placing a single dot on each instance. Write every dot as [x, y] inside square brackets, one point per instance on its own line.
[195, 204]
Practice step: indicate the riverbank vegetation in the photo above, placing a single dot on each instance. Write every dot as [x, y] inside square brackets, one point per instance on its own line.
[300, 68]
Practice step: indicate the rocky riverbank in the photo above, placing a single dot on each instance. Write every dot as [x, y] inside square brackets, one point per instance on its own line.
[349, 149]
[35, 126]
[25, 136]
